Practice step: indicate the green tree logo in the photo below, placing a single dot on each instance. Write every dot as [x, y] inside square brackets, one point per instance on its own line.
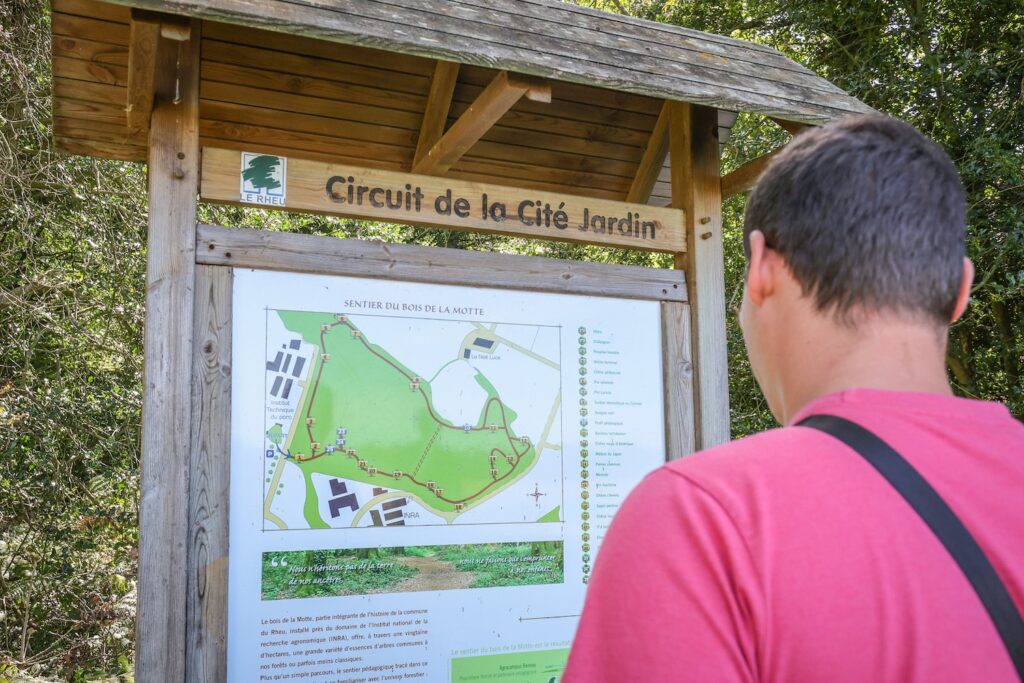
[261, 171]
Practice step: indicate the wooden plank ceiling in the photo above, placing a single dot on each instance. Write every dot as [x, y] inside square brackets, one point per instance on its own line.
[553, 39]
[308, 97]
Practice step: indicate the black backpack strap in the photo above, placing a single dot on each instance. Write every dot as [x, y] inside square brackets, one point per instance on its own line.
[941, 520]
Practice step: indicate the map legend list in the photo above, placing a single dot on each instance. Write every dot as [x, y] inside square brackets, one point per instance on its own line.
[617, 408]
[584, 472]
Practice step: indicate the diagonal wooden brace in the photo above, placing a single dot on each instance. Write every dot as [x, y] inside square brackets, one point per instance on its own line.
[497, 98]
[652, 161]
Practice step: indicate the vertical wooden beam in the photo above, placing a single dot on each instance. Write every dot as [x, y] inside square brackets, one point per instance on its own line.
[146, 29]
[144, 36]
[652, 161]
[167, 376]
[439, 101]
[207, 598]
[696, 188]
[678, 379]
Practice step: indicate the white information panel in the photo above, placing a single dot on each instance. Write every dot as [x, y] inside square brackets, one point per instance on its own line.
[421, 475]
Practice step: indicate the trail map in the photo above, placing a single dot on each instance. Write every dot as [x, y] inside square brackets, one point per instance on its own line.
[422, 474]
[376, 420]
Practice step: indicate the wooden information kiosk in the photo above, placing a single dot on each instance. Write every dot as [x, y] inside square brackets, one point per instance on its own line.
[523, 117]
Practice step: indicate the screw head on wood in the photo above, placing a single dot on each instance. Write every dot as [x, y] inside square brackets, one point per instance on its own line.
[705, 236]
[705, 220]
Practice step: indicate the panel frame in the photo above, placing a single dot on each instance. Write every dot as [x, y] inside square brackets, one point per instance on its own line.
[220, 251]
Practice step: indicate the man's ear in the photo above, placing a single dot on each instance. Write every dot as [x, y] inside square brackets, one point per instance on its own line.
[760, 278]
[964, 295]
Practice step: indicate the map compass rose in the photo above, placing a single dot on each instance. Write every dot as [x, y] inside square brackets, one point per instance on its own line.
[536, 494]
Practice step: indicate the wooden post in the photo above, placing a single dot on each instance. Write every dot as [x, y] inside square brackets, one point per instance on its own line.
[209, 487]
[166, 410]
[145, 32]
[143, 41]
[696, 188]
[678, 378]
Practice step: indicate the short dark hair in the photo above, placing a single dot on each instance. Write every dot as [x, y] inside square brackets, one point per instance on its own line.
[870, 216]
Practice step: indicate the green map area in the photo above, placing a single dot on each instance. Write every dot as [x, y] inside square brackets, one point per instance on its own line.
[392, 435]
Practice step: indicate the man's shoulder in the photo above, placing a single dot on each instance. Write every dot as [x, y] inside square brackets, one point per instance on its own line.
[758, 475]
[776, 452]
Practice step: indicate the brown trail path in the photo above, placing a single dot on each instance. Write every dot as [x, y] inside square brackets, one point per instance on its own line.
[432, 575]
[441, 423]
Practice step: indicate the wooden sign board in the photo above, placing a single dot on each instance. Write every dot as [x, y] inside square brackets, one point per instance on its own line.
[355, 533]
[234, 177]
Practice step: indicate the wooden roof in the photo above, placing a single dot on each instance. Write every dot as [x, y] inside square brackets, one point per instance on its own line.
[348, 81]
[554, 39]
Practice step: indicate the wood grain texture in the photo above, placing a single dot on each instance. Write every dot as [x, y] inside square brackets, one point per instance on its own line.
[334, 65]
[91, 148]
[678, 379]
[85, 91]
[92, 8]
[582, 94]
[209, 480]
[583, 47]
[89, 51]
[570, 102]
[325, 188]
[244, 248]
[97, 131]
[696, 188]
[496, 99]
[142, 45]
[435, 114]
[91, 71]
[358, 105]
[537, 89]
[274, 84]
[253, 138]
[298, 121]
[652, 161]
[791, 127]
[523, 173]
[745, 177]
[339, 114]
[565, 119]
[87, 28]
[77, 110]
[167, 377]
[285, 42]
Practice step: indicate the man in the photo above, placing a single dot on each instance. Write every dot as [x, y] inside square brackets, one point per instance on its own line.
[785, 556]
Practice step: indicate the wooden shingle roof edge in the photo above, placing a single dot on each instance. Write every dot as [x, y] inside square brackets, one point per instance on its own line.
[557, 40]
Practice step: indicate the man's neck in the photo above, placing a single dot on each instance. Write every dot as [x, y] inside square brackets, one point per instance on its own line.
[889, 355]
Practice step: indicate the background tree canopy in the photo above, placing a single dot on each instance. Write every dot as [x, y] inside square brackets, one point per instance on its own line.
[72, 255]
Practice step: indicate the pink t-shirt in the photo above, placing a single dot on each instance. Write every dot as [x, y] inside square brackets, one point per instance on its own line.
[786, 557]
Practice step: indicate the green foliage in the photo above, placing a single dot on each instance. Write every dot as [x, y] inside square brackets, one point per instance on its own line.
[71, 312]
[509, 564]
[952, 68]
